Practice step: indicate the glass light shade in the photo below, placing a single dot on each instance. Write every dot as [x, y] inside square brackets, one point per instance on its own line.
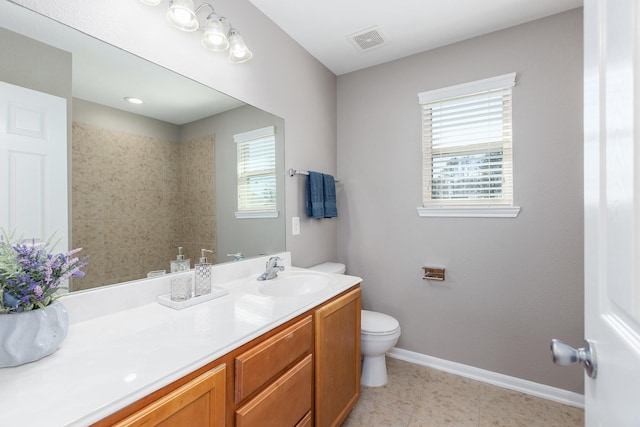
[182, 16]
[151, 2]
[215, 34]
[238, 50]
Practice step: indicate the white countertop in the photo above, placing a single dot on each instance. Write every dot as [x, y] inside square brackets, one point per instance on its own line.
[116, 352]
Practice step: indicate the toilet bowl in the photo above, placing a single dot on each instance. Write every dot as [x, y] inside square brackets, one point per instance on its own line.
[378, 334]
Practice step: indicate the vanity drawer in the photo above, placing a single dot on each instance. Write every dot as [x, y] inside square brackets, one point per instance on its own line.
[256, 367]
[285, 403]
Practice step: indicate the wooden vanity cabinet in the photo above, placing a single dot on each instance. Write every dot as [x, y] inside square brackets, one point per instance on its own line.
[337, 359]
[303, 373]
[198, 403]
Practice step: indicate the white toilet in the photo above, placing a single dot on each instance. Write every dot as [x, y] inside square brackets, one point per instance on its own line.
[378, 334]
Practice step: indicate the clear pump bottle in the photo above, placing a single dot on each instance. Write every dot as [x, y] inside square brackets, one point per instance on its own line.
[180, 264]
[203, 275]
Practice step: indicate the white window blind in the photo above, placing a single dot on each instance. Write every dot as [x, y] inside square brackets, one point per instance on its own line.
[256, 170]
[467, 144]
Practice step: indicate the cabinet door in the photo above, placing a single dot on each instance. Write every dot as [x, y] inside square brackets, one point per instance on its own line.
[199, 403]
[307, 421]
[337, 356]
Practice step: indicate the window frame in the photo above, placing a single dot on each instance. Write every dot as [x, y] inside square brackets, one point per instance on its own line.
[462, 208]
[243, 139]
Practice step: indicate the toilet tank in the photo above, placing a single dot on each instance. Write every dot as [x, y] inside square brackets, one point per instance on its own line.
[330, 267]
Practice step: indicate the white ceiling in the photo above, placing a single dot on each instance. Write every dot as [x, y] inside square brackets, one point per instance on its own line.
[409, 26]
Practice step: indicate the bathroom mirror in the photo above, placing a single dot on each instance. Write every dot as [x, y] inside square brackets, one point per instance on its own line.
[144, 179]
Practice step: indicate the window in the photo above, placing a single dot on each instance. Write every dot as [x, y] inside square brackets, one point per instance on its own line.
[467, 149]
[256, 173]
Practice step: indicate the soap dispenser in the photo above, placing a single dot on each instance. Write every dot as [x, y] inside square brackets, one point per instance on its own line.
[180, 264]
[203, 275]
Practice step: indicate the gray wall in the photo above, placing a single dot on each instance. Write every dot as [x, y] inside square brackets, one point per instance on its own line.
[512, 284]
[250, 236]
[281, 78]
[54, 79]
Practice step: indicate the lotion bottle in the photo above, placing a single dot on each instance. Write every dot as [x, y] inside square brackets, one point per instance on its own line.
[203, 275]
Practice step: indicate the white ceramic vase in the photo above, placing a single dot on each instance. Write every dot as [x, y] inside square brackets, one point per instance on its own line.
[31, 335]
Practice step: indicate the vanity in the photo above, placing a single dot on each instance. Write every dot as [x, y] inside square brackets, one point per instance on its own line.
[262, 355]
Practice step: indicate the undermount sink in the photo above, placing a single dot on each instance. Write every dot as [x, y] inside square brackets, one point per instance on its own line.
[296, 283]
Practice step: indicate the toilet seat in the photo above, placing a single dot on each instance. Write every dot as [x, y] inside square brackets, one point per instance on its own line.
[330, 267]
[374, 323]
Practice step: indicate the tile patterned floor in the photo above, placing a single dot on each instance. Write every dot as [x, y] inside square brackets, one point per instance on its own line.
[417, 396]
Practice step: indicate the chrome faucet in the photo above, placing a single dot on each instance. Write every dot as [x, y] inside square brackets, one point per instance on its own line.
[272, 269]
[238, 256]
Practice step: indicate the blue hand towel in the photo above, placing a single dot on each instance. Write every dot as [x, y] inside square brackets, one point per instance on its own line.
[330, 209]
[314, 204]
[307, 198]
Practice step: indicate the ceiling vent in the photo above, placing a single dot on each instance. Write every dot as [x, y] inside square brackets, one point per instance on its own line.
[368, 39]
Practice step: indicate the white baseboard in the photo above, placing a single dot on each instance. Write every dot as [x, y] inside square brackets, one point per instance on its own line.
[500, 380]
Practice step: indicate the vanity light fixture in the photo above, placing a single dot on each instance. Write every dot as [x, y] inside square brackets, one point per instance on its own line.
[219, 35]
[238, 50]
[182, 15]
[215, 33]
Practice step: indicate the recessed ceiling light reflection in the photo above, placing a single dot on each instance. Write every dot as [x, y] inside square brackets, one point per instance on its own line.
[133, 100]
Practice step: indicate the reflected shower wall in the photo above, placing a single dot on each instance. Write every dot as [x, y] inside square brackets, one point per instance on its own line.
[137, 194]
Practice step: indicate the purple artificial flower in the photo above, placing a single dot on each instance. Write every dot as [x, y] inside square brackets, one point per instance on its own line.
[37, 289]
[30, 275]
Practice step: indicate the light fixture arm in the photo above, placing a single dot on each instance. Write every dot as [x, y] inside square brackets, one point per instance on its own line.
[198, 9]
[202, 6]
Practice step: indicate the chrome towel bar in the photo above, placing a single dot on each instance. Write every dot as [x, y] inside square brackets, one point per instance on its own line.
[293, 172]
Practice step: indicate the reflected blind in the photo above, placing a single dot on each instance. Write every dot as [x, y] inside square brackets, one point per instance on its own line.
[256, 170]
[467, 143]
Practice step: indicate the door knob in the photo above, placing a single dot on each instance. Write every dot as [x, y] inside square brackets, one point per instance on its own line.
[564, 355]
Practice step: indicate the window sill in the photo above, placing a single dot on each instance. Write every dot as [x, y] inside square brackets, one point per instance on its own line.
[257, 214]
[469, 211]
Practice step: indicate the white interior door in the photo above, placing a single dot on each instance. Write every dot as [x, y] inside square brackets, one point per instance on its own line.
[33, 164]
[612, 210]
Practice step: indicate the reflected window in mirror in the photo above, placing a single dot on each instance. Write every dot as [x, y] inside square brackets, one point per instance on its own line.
[256, 160]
